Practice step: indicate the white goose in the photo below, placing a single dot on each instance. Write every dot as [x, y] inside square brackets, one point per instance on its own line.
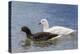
[55, 29]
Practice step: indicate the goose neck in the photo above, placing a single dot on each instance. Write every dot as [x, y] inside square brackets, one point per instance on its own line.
[46, 26]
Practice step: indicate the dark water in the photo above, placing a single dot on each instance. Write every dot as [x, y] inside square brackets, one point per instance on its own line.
[30, 14]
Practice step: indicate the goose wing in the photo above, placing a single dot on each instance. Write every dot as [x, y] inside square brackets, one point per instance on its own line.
[60, 30]
[43, 36]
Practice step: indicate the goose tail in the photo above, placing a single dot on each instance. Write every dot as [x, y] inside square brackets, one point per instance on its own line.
[73, 31]
[56, 37]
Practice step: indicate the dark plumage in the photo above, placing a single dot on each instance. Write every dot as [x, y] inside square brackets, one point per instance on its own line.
[40, 36]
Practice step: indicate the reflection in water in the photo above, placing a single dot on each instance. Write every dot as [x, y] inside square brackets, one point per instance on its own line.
[45, 43]
[27, 43]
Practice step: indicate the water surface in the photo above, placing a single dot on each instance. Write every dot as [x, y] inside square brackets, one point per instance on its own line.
[30, 14]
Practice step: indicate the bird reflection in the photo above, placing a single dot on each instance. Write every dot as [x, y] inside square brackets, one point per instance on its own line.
[28, 43]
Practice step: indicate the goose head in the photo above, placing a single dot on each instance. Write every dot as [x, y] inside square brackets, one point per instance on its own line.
[26, 30]
[43, 21]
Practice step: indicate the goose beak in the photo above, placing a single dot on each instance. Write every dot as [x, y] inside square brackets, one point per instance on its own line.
[39, 23]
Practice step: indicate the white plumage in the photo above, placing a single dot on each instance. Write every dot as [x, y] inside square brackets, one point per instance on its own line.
[55, 29]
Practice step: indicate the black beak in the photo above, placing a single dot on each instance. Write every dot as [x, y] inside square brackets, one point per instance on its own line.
[39, 23]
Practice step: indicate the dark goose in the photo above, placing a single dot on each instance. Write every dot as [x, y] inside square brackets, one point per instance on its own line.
[40, 36]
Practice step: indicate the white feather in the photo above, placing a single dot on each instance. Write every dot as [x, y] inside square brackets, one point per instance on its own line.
[55, 29]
